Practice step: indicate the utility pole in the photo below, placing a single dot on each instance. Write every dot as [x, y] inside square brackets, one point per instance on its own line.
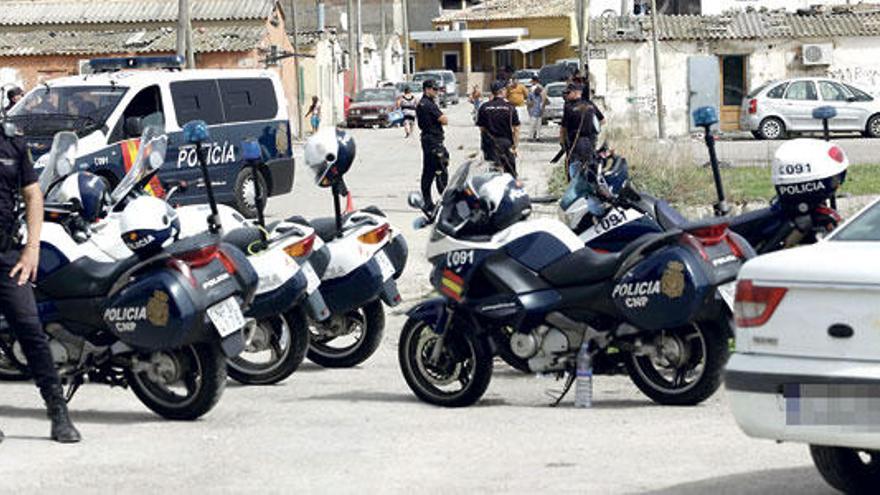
[299, 91]
[352, 69]
[382, 40]
[406, 40]
[360, 48]
[658, 86]
[582, 25]
[184, 33]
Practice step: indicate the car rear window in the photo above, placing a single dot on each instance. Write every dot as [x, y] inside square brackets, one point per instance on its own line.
[248, 99]
[777, 92]
[197, 100]
[865, 227]
[757, 90]
[447, 77]
[555, 90]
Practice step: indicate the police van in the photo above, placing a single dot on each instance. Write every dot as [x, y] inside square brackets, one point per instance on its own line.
[109, 109]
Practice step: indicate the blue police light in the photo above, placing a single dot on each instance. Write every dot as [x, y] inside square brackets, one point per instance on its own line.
[705, 116]
[825, 112]
[251, 151]
[196, 132]
[116, 64]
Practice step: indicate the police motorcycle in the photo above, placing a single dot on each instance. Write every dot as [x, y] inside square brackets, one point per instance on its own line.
[358, 255]
[607, 212]
[277, 334]
[162, 321]
[654, 306]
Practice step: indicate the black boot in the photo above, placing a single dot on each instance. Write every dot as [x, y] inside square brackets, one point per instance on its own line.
[63, 430]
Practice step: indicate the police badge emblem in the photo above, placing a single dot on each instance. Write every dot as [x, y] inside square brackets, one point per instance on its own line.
[157, 309]
[672, 281]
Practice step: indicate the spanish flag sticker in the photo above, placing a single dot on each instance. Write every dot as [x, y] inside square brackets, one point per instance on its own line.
[452, 285]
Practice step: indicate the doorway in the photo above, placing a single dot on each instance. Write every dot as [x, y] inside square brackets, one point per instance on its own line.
[450, 61]
[733, 90]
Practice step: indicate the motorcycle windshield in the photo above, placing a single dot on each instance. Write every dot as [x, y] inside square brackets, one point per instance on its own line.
[59, 162]
[150, 157]
[580, 187]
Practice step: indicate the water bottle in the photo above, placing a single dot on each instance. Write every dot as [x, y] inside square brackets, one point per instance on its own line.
[583, 396]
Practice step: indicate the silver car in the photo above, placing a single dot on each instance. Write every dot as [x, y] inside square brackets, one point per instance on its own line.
[778, 108]
[555, 103]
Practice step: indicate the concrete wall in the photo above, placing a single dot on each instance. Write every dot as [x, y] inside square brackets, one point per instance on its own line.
[323, 77]
[624, 80]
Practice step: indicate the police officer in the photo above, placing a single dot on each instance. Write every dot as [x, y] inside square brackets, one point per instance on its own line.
[499, 129]
[18, 269]
[578, 131]
[435, 157]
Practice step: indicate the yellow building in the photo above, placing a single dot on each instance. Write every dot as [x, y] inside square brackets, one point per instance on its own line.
[477, 41]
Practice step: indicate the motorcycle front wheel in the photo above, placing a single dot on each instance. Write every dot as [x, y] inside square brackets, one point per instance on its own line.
[460, 376]
[353, 338]
[275, 351]
[685, 365]
[180, 384]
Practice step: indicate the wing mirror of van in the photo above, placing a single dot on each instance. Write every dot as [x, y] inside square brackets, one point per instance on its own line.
[133, 127]
[196, 132]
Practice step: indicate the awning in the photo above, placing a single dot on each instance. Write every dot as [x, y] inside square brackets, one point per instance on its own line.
[460, 36]
[528, 46]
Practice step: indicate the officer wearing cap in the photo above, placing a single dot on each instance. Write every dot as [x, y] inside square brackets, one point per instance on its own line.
[499, 129]
[435, 157]
[18, 269]
[578, 131]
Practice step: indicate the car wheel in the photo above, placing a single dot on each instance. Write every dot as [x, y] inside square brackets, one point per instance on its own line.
[848, 470]
[245, 192]
[771, 128]
[872, 130]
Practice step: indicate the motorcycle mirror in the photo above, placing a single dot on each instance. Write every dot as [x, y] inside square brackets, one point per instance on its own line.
[251, 151]
[824, 112]
[196, 132]
[415, 200]
[420, 223]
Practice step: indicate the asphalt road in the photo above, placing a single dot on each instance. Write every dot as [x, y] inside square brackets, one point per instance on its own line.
[362, 431]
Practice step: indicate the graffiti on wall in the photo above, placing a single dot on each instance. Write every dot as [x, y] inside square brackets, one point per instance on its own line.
[869, 78]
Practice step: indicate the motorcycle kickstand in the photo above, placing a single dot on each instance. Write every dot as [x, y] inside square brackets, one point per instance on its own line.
[73, 388]
[569, 381]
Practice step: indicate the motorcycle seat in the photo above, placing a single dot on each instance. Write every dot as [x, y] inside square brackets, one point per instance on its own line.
[668, 217]
[86, 278]
[582, 267]
[242, 237]
[325, 227]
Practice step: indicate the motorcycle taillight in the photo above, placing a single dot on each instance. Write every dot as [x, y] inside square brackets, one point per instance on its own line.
[198, 258]
[710, 235]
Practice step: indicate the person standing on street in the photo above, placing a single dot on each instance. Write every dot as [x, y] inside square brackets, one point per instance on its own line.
[499, 129]
[435, 157]
[518, 95]
[407, 104]
[315, 112]
[18, 269]
[579, 129]
[537, 104]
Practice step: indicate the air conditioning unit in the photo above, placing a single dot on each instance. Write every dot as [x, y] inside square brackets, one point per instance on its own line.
[817, 54]
[459, 26]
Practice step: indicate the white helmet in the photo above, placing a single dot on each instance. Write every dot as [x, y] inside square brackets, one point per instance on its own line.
[148, 224]
[804, 160]
[329, 153]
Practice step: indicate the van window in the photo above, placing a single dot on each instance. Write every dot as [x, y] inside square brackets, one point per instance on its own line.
[197, 100]
[146, 106]
[448, 77]
[248, 99]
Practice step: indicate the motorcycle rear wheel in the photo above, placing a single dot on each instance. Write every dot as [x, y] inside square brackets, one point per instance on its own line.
[199, 369]
[694, 356]
[368, 322]
[465, 360]
[286, 339]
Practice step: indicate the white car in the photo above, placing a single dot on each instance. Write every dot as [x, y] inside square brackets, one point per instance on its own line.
[555, 102]
[807, 361]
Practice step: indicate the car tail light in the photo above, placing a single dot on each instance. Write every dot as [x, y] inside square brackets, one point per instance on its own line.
[753, 106]
[301, 248]
[376, 235]
[755, 304]
[836, 154]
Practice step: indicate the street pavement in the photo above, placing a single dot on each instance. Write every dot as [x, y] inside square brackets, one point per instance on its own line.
[362, 431]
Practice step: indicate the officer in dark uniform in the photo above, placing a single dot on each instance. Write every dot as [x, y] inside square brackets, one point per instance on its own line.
[435, 157]
[18, 269]
[499, 129]
[578, 132]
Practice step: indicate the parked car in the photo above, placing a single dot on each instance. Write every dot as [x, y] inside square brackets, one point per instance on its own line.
[373, 107]
[555, 103]
[447, 82]
[779, 108]
[807, 361]
[557, 72]
[524, 76]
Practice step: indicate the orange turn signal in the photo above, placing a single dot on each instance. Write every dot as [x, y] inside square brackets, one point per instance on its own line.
[301, 248]
[376, 235]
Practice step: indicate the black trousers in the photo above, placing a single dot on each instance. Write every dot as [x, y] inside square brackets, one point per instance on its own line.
[435, 160]
[18, 306]
[500, 151]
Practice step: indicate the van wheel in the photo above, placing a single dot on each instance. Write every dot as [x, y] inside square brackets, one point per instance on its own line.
[848, 470]
[245, 192]
[771, 128]
[872, 130]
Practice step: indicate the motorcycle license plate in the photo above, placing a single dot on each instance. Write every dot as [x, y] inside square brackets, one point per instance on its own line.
[312, 280]
[226, 317]
[727, 292]
[385, 265]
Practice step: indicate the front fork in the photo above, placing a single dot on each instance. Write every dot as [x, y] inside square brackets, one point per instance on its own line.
[445, 323]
